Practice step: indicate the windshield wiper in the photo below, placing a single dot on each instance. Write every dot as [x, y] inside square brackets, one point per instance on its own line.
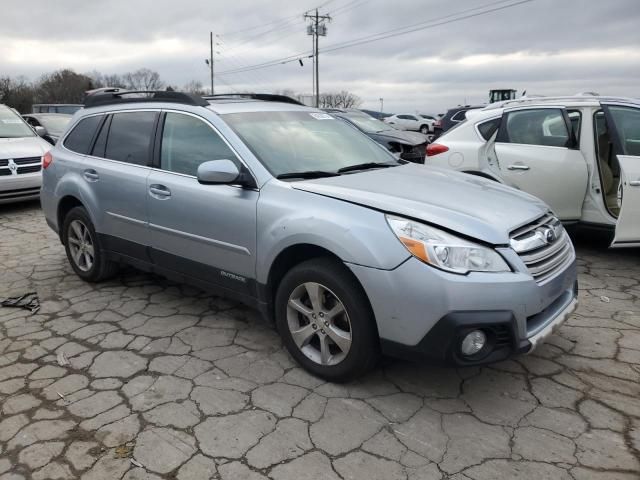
[365, 166]
[308, 174]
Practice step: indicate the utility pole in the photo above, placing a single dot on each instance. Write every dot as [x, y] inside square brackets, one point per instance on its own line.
[211, 61]
[318, 28]
[381, 104]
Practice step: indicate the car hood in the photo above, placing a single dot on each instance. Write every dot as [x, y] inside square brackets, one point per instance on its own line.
[401, 136]
[466, 204]
[23, 147]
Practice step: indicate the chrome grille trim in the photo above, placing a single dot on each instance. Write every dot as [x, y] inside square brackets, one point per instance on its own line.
[544, 259]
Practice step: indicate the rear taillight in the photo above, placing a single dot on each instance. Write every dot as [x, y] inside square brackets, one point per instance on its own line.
[435, 149]
[438, 123]
[47, 159]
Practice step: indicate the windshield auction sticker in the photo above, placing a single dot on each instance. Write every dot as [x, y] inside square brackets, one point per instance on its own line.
[11, 121]
[321, 116]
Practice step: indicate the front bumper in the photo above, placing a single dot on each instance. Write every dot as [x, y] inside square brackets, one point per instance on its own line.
[423, 312]
[17, 188]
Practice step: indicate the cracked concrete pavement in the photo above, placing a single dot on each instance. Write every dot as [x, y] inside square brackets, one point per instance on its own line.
[165, 381]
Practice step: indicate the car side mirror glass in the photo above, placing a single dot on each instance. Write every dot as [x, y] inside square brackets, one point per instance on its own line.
[218, 172]
[40, 131]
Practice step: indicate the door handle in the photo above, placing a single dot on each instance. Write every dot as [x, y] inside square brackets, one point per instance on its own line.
[635, 183]
[91, 175]
[518, 167]
[159, 191]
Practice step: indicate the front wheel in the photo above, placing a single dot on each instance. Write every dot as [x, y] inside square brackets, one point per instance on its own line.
[326, 321]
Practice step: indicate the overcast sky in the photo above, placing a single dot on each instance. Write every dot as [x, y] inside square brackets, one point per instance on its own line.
[543, 46]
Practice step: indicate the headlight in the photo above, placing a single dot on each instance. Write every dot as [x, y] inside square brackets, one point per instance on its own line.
[445, 251]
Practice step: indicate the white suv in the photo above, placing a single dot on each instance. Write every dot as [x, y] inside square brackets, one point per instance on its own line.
[579, 154]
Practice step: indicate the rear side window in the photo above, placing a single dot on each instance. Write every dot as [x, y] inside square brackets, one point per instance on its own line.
[544, 127]
[488, 128]
[627, 122]
[101, 140]
[80, 138]
[130, 137]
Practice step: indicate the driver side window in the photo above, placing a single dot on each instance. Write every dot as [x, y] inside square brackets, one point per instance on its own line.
[187, 142]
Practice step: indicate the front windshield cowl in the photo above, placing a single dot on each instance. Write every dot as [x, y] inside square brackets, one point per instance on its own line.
[295, 142]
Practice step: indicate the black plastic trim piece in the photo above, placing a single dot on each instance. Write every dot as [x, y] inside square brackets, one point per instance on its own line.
[206, 277]
[265, 97]
[441, 344]
[114, 98]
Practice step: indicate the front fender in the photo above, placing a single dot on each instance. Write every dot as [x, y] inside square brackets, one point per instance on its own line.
[355, 234]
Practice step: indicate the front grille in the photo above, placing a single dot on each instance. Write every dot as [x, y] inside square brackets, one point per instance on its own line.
[27, 160]
[544, 247]
[29, 169]
[25, 165]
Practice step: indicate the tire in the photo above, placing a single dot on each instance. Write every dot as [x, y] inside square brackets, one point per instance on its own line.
[337, 287]
[83, 247]
[424, 129]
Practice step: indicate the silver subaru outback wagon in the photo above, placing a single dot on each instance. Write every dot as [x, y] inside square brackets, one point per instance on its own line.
[350, 251]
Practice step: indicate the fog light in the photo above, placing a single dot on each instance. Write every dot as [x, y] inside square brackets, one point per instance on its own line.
[473, 342]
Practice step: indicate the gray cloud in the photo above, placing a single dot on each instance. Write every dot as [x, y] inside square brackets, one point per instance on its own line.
[545, 46]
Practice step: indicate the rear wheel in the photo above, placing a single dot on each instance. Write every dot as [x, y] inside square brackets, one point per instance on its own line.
[424, 129]
[326, 321]
[83, 247]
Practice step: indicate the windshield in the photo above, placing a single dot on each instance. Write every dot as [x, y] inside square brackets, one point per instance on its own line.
[369, 124]
[12, 126]
[291, 142]
[54, 125]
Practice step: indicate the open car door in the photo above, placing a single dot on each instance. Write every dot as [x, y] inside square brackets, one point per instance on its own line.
[626, 122]
[537, 152]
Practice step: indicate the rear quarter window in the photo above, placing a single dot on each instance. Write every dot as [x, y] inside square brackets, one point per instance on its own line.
[488, 128]
[80, 138]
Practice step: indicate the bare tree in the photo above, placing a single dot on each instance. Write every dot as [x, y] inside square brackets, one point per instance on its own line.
[143, 79]
[62, 86]
[17, 93]
[194, 86]
[101, 80]
[342, 99]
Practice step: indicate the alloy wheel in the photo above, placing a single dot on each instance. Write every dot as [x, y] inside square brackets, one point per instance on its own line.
[319, 323]
[81, 245]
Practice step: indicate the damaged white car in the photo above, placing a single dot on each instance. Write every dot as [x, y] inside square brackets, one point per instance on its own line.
[580, 154]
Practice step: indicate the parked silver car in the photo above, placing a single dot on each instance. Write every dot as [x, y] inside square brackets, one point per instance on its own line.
[351, 251]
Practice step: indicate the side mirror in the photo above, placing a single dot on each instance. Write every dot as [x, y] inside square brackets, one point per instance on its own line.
[217, 172]
[41, 131]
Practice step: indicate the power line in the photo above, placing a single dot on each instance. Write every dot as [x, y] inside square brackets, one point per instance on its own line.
[421, 26]
[463, 15]
[278, 20]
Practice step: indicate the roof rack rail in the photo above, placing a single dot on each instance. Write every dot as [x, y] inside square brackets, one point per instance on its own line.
[115, 96]
[265, 97]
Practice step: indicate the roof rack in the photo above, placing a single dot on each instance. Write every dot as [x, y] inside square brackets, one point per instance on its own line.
[580, 98]
[116, 96]
[265, 97]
